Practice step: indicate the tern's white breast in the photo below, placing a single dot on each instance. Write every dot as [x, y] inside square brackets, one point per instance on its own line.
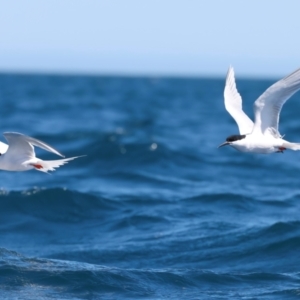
[258, 144]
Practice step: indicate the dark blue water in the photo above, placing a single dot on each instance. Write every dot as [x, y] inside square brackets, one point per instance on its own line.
[155, 210]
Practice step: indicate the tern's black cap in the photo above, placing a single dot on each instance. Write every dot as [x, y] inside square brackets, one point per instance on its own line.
[235, 137]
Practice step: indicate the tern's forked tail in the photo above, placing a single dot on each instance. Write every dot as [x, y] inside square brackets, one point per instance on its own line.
[50, 165]
[291, 146]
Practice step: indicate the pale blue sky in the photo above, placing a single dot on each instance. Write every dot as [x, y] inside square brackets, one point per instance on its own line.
[155, 37]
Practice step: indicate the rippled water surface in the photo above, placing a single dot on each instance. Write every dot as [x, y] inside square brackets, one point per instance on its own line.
[154, 210]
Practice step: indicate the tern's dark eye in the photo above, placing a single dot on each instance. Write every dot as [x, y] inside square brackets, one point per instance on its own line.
[235, 137]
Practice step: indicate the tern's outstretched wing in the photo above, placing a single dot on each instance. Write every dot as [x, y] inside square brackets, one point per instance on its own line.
[233, 104]
[22, 145]
[268, 106]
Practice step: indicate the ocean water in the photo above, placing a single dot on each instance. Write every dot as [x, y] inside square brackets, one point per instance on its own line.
[154, 210]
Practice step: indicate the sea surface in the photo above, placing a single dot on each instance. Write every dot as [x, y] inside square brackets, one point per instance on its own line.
[154, 210]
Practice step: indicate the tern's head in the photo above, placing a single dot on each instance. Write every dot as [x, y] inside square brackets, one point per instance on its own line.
[233, 139]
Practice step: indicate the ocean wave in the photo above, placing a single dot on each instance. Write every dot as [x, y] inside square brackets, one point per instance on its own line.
[243, 227]
[53, 204]
[51, 277]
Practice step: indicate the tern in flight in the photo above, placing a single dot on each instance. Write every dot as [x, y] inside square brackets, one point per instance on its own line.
[262, 136]
[19, 154]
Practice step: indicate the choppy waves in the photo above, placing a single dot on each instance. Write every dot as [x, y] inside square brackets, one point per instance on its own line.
[154, 210]
[25, 277]
[135, 247]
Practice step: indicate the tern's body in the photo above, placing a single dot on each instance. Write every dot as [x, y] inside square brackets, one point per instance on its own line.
[19, 154]
[262, 135]
[260, 144]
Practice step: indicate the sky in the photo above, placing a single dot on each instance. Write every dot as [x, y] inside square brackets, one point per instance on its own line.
[259, 38]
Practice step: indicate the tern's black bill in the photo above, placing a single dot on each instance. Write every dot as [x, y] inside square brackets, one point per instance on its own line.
[224, 144]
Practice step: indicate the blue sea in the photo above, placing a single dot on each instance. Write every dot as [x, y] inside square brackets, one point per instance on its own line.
[154, 210]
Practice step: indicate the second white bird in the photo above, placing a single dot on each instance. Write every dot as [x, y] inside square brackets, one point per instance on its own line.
[262, 136]
[19, 154]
